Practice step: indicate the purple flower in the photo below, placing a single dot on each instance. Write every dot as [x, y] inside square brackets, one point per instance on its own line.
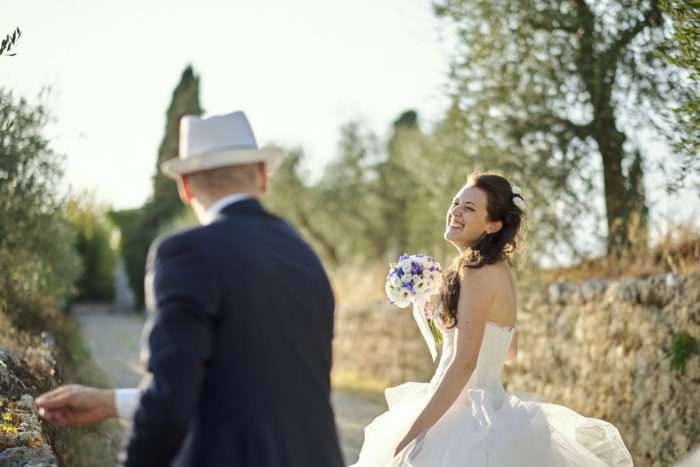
[416, 269]
[399, 272]
[409, 286]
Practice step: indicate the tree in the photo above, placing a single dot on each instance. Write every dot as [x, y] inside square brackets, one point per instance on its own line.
[397, 187]
[543, 85]
[141, 226]
[165, 203]
[9, 42]
[683, 50]
[37, 259]
[93, 242]
[339, 214]
[6, 45]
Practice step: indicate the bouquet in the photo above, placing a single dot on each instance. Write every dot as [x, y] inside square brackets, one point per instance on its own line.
[413, 279]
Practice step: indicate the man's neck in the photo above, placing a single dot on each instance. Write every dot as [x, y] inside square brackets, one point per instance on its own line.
[202, 204]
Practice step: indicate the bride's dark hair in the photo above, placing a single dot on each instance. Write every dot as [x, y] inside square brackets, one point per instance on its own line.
[492, 247]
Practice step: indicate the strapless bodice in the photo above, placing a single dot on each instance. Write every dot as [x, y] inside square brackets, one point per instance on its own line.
[489, 364]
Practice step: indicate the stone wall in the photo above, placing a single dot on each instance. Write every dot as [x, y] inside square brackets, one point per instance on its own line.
[599, 347]
[22, 440]
[381, 341]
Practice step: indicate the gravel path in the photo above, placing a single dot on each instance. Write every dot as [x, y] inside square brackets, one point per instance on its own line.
[113, 340]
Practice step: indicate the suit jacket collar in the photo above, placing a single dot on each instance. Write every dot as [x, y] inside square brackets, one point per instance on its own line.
[249, 205]
[221, 203]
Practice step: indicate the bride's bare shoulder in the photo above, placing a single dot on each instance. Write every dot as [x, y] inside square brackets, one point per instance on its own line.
[486, 271]
[483, 278]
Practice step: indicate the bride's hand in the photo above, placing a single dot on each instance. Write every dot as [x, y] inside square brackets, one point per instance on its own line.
[402, 445]
[410, 436]
[429, 309]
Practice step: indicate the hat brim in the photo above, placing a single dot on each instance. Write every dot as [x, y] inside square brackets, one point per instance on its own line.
[175, 167]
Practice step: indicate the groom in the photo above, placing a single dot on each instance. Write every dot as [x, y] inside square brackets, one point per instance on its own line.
[240, 317]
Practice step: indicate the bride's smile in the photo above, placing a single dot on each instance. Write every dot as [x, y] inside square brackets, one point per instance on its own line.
[467, 219]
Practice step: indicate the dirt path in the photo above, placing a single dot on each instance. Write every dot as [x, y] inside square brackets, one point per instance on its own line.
[113, 340]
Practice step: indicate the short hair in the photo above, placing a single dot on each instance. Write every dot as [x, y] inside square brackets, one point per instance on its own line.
[224, 178]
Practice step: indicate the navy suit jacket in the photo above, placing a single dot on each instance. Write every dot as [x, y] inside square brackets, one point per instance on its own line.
[238, 349]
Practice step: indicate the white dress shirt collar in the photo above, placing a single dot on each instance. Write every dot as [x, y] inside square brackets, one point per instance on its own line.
[221, 203]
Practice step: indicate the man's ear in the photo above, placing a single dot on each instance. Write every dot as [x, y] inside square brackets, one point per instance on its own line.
[184, 189]
[263, 177]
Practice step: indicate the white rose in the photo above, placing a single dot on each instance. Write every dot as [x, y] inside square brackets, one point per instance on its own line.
[420, 286]
[404, 299]
[519, 203]
[395, 281]
[406, 265]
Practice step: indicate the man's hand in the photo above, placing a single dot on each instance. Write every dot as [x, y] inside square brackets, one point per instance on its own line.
[77, 405]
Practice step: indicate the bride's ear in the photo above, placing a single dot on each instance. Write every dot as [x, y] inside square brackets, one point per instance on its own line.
[494, 227]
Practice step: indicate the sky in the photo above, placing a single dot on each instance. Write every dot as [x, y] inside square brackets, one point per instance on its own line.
[299, 70]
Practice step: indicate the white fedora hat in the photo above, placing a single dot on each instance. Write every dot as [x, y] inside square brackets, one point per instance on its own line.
[208, 143]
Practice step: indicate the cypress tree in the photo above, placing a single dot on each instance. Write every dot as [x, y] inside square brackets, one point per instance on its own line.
[164, 205]
[185, 101]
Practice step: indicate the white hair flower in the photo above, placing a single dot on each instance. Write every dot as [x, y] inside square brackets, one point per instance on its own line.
[519, 202]
[515, 190]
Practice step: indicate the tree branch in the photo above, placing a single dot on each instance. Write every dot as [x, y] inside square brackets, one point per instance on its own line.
[608, 59]
[546, 122]
[651, 17]
[9, 42]
[555, 21]
[585, 57]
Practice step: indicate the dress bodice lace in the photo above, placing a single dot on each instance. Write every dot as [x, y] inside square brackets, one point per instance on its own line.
[489, 364]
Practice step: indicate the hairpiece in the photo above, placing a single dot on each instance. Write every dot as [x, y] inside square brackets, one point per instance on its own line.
[517, 199]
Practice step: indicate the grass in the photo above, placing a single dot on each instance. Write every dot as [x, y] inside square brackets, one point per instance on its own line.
[678, 252]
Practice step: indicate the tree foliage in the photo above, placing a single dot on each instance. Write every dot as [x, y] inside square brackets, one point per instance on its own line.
[37, 259]
[543, 90]
[373, 201]
[337, 214]
[93, 242]
[683, 50]
[9, 42]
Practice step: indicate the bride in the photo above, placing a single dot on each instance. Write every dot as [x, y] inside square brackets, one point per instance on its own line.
[464, 416]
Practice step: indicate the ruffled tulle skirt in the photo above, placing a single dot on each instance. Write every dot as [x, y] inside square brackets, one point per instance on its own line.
[490, 429]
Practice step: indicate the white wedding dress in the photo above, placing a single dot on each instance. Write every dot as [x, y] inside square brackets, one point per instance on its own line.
[487, 426]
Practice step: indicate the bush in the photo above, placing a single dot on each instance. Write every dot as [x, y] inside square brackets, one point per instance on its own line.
[94, 232]
[37, 257]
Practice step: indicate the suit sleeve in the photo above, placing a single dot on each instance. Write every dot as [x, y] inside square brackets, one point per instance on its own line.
[181, 299]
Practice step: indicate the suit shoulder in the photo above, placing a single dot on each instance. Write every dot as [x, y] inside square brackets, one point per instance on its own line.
[176, 241]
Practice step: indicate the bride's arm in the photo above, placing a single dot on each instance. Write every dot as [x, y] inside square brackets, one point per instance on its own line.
[475, 298]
